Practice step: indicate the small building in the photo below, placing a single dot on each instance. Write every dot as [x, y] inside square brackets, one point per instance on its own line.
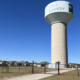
[30, 64]
[27, 64]
[24, 64]
[44, 63]
[8, 63]
[0, 63]
[35, 64]
[38, 65]
[72, 65]
[15, 63]
[76, 65]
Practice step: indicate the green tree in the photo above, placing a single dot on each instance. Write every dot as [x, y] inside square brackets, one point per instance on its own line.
[44, 63]
[27, 62]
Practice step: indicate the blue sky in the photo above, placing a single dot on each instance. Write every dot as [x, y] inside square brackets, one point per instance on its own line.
[25, 35]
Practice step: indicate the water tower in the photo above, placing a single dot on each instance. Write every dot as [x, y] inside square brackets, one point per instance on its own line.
[58, 14]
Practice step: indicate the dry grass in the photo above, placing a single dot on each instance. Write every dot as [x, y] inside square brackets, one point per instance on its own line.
[14, 71]
[72, 75]
[41, 70]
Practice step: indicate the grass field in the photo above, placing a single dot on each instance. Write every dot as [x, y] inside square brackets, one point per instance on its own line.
[15, 71]
[72, 75]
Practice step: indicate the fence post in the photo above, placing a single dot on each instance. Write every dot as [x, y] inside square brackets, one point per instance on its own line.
[32, 66]
[58, 67]
[78, 71]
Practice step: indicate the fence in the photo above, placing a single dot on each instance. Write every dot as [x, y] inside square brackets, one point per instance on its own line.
[15, 69]
[34, 69]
